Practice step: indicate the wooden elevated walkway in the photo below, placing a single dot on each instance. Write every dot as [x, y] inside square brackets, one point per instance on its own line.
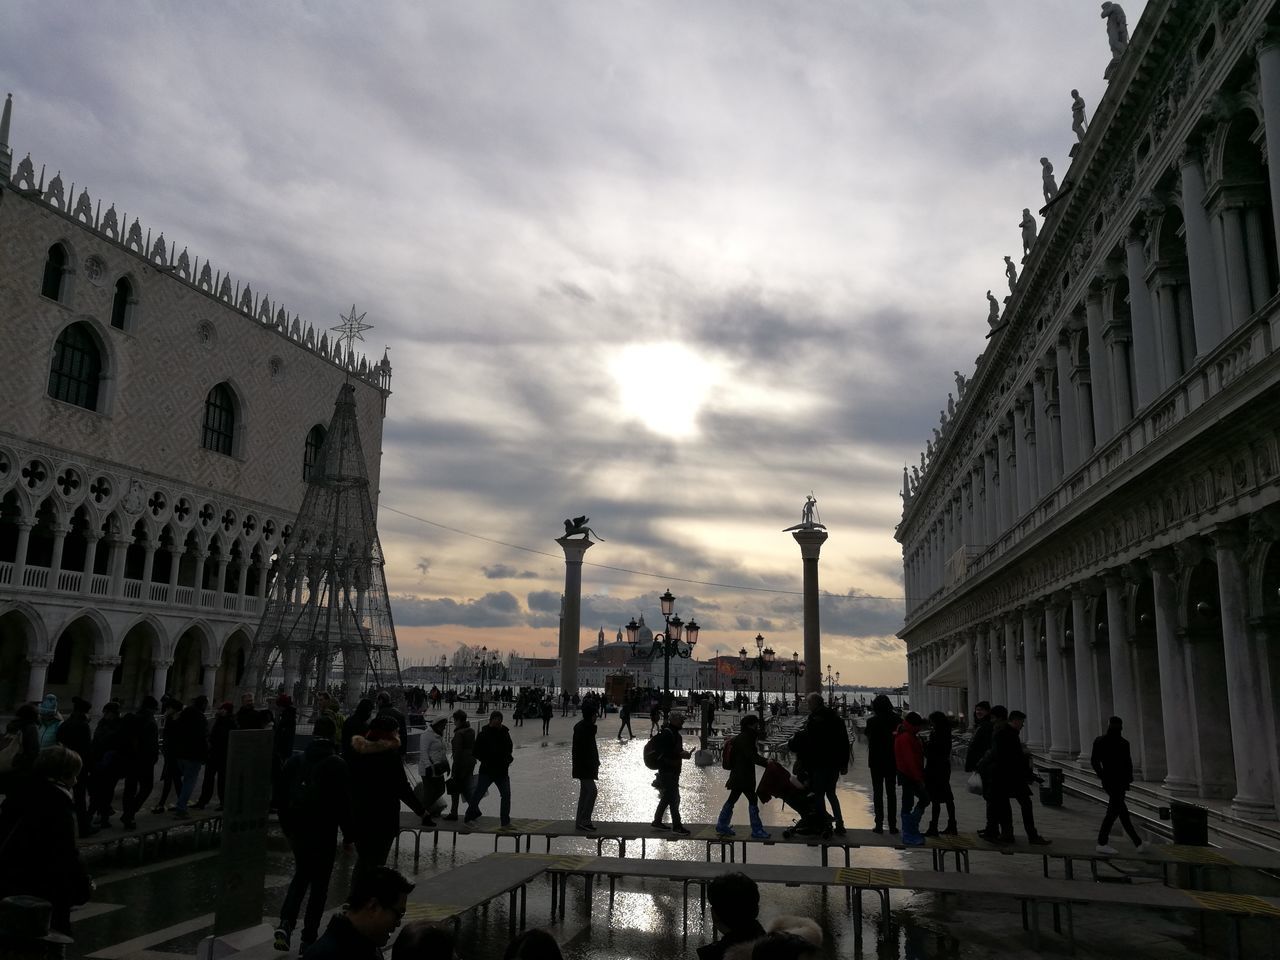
[153, 831]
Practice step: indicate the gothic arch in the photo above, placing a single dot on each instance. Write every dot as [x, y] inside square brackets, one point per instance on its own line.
[37, 630]
[107, 359]
[199, 628]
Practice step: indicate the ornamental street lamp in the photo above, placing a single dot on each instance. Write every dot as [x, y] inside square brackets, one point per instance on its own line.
[444, 673]
[666, 644]
[486, 666]
[763, 657]
[797, 668]
[831, 679]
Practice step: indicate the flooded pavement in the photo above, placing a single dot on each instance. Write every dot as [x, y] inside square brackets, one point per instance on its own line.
[162, 910]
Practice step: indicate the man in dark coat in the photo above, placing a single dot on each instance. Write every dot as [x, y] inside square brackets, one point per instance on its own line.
[387, 709]
[74, 734]
[494, 752]
[1113, 763]
[881, 726]
[586, 766]
[140, 749]
[104, 754]
[744, 757]
[215, 771]
[191, 731]
[171, 771]
[735, 912]
[979, 746]
[375, 906]
[379, 785]
[826, 754]
[1010, 777]
[672, 755]
[249, 717]
[317, 802]
[282, 736]
[463, 757]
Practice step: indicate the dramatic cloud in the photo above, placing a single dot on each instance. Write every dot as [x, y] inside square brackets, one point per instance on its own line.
[669, 265]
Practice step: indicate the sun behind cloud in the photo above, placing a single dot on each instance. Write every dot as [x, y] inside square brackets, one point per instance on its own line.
[664, 386]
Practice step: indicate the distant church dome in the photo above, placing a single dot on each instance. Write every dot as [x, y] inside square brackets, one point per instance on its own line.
[644, 635]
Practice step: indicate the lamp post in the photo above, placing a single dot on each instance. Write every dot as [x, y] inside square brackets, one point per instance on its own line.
[485, 667]
[666, 644]
[444, 674]
[764, 655]
[797, 668]
[831, 679]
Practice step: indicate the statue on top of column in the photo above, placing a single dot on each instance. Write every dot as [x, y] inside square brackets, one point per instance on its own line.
[1047, 179]
[1117, 29]
[1077, 115]
[1011, 273]
[808, 516]
[1028, 224]
[578, 527]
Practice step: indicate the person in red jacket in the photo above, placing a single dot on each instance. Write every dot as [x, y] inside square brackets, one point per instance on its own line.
[908, 755]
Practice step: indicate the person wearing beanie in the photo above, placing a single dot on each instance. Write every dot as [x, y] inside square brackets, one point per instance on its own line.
[435, 766]
[908, 755]
[671, 758]
[215, 771]
[881, 726]
[74, 734]
[50, 720]
[463, 750]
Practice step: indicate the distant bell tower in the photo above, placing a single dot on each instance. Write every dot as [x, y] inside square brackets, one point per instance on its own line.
[600, 639]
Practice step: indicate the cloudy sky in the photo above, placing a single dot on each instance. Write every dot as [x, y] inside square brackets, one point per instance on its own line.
[670, 265]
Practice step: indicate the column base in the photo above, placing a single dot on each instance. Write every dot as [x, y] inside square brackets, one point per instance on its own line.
[1181, 788]
[1035, 746]
[1061, 754]
[1249, 808]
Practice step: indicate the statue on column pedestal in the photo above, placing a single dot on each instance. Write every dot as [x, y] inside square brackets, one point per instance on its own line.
[807, 516]
[578, 527]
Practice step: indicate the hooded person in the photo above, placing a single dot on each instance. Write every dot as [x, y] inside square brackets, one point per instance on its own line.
[463, 750]
[734, 899]
[379, 785]
[937, 773]
[744, 757]
[880, 729]
[50, 720]
[908, 755]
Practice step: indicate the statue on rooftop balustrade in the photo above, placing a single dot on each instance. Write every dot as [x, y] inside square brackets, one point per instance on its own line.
[1047, 179]
[1028, 225]
[993, 310]
[1011, 273]
[1117, 28]
[1077, 114]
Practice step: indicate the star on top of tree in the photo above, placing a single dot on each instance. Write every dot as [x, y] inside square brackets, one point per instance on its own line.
[351, 328]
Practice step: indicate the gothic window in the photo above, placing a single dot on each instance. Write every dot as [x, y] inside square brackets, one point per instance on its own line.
[55, 269]
[122, 304]
[219, 420]
[311, 455]
[76, 371]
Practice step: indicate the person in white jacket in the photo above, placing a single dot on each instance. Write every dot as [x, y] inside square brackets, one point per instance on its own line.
[435, 765]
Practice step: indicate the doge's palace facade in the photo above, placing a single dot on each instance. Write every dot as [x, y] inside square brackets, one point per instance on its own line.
[1095, 530]
[156, 422]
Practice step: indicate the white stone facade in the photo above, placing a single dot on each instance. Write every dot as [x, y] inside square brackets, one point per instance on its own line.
[1095, 532]
[133, 552]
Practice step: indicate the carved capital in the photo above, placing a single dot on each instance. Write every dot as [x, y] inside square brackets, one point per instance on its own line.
[1162, 561]
[40, 660]
[161, 664]
[104, 663]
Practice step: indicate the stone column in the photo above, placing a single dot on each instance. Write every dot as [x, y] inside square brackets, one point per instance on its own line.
[60, 531]
[24, 525]
[1084, 411]
[1124, 696]
[1268, 51]
[1247, 689]
[1179, 735]
[119, 551]
[811, 541]
[264, 569]
[1034, 708]
[37, 670]
[201, 556]
[243, 580]
[1004, 513]
[1012, 665]
[1118, 341]
[971, 652]
[1233, 249]
[1046, 476]
[223, 560]
[1026, 463]
[574, 549]
[1166, 284]
[1141, 323]
[1205, 301]
[91, 538]
[1086, 688]
[984, 665]
[148, 566]
[209, 678]
[995, 648]
[1071, 455]
[160, 678]
[1100, 378]
[990, 495]
[1060, 745]
[175, 565]
[103, 669]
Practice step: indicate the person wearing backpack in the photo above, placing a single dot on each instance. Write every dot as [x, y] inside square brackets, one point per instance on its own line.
[742, 756]
[316, 802]
[668, 752]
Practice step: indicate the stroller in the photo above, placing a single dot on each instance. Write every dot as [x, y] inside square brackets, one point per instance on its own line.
[776, 781]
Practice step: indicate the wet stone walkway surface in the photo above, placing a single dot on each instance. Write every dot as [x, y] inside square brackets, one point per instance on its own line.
[163, 908]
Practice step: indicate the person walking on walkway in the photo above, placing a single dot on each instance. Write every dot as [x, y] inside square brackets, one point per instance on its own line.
[744, 757]
[586, 766]
[825, 754]
[908, 755]
[979, 747]
[139, 750]
[104, 758]
[1012, 775]
[547, 712]
[378, 786]
[316, 801]
[937, 773]
[215, 770]
[624, 719]
[74, 734]
[881, 726]
[1113, 763]
[191, 749]
[494, 752]
[463, 749]
[671, 758]
[435, 766]
[171, 771]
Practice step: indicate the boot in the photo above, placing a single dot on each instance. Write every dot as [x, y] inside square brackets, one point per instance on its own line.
[722, 823]
[758, 832]
[911, 835]
[933, 828]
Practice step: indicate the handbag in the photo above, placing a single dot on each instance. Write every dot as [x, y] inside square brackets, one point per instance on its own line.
[974, 783]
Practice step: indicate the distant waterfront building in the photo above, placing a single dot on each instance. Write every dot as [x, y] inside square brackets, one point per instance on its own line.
[1095, 531]
[157, 422]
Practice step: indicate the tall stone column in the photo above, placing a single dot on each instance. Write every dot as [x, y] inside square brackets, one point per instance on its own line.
[1034, 706]
[1025, 462]
[811, 541]
[971, 664]
[1013, 696]
[1237, 263]
[119, 550]
[37, 671]
[984, 664]
[1167, 284]
[1141, 323]
[995, 642]
[1008, 477]
[1179, 736]
[1059, 714]
[209, 678]
[1046, 478]
[160, 678]
[1252, 730]
[1104, 417]
[91, 538]
[574, 549]
[1201, 261]
[24, 525]
[103, 670]
[990, 495]
[1086, 687]
[1124, 696]
[201, 556]
[60, 531]
[1071, 453]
